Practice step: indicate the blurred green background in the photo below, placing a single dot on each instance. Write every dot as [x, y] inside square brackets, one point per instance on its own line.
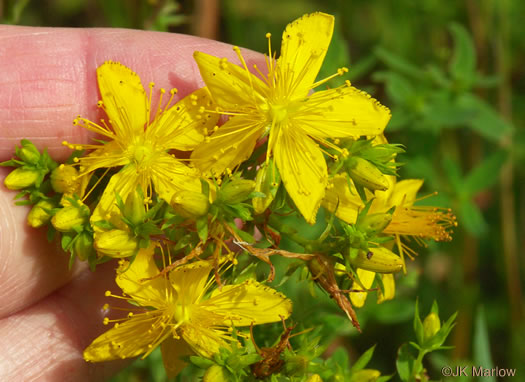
[452, 74]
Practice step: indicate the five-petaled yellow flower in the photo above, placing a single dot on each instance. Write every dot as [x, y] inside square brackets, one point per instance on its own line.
[140, 140]
[178, 311]
[299, 124]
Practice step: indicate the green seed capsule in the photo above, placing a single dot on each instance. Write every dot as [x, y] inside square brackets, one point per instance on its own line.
[366, 174]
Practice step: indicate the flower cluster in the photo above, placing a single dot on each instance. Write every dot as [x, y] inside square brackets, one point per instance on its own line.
[188, 204]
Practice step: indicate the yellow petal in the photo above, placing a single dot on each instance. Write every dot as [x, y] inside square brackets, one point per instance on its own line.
[229, 146]
[204, 340]
[348, 203]
[128, 339]
[247, 303]
[139, 280]
[183, 126]
[189, 281]
[108, 155]
[342, 113]
[304, 46]
[124, 98]
[303, 170]
[367, 278]
[172, 350]
[170, 175]
[389, 285]
[405, 192]
[231, 86]
[123, 182]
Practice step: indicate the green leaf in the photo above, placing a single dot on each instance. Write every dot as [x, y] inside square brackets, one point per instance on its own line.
[472, 218]
[418, 325]
[484, 120]
[454, 174]
[398, 88]
[398, 63]
[463, 64]
[405, 362]
[202, 228]
[363, 360]
[481, 344]
[486, 174]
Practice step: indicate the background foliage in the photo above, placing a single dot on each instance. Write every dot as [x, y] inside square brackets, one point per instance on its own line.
[452, 74]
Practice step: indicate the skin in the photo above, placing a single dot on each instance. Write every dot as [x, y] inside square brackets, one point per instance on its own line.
[49, 314]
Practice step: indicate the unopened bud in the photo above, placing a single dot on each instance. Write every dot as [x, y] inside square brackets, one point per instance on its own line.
[69, 217]
[83, 247]
[21, 178]
[134, 208]
[431, 325]
[237, 190]
[40, 214]
[296, 365]
[374, 223]
[116, 243]
[190, 204]
[28, 152]
[378, 259]
[365, 375]
[366, 174]
[216, 373]
[267, 182]
[64, 180]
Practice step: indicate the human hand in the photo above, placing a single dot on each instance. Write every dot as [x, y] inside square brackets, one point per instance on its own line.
[49, 314]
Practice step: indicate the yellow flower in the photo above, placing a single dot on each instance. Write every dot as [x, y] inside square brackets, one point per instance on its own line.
[178, 312]
[299, 124]
[139, 140]
[367, 278]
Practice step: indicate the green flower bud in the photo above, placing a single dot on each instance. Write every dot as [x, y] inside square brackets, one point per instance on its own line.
[216, 373]
[64, 179]
[378, 259]
[365, 375]
[236, 191]
[28, 152]
[296, 365]
[38, 216]
[190, 204]
[83, 246]
[314, 378]
[366, 174]
[134, 208]
[431, 326]
[374, 223]
[267, 181]
[21, 178]
[116, 243]
[69, 217]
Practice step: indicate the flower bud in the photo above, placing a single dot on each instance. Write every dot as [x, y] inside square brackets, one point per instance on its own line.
[28, 152]
[21, 178]
[115, 243]
[267, 182]
[431, 325]
[64, 179]
[374, 223]
[216, 373]
[190, 204]
[134, 208]
[69, 217]
[237, 190]
[366, 174]
[378, 259]
[365, 375]
[38, 216]
[83, 246]
[314, 378]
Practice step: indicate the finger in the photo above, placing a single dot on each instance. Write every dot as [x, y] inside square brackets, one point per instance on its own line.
[45, 342]
[48, 78]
